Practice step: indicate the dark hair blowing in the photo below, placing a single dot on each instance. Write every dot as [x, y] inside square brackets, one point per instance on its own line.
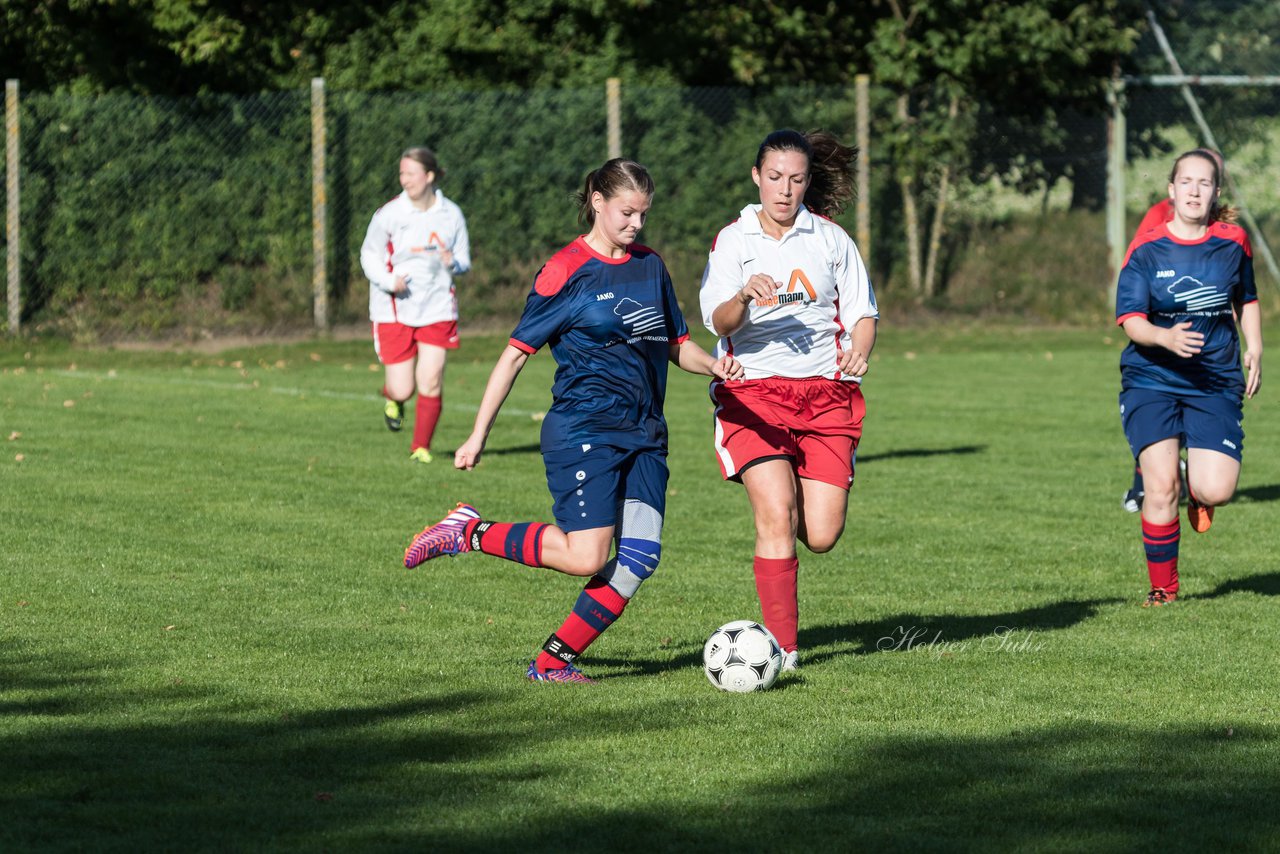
[427, 158]
[831, 165]
[617, 176]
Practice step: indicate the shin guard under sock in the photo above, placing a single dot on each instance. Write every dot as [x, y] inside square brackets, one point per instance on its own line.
[517, 541]
[427, 415]
[1161, 545]
[776, 584]
[597, 608]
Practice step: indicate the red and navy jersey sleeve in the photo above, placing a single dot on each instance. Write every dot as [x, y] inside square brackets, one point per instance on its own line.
[548, 312]
[1133, 291]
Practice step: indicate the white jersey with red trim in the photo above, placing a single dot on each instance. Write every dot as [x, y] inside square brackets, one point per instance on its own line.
[825, 291]
[405, 241]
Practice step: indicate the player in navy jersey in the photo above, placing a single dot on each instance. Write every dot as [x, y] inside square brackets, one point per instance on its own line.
[1181, 289]
[606, 308]
[1156, 216]
[787, 292]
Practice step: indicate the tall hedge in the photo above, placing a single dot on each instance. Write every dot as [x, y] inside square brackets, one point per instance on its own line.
[130, 199]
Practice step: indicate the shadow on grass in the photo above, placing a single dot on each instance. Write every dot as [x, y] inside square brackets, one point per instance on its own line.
[920, 452]
[1258, 493]
[1263, 585]
[899, 633]
[473, 771]
[904, 632]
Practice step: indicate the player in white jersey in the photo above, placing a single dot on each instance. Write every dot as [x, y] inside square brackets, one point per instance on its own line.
[415, 245]
[788, 294]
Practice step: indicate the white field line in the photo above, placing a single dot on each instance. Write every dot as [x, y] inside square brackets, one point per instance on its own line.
[191, 382]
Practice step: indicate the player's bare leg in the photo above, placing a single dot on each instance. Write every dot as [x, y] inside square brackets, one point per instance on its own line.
[1212, 477]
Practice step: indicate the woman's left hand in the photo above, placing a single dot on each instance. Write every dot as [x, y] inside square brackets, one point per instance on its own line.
[728, 368]
[1253, 373]
[851, 363]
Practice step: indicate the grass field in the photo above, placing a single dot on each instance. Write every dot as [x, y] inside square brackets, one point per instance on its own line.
[207, 641]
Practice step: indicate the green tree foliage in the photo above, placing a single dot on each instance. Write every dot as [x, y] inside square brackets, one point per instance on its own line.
[968, 87]
[949, 66]
[1220, 37]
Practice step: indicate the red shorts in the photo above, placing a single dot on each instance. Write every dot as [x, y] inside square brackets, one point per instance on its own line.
[814, 422]
[395, 342]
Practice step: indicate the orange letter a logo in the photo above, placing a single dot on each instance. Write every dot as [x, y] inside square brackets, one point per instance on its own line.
[798, 275]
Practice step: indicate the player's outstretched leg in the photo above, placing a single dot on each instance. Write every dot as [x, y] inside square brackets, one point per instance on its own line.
[446, 537]
[638, 551]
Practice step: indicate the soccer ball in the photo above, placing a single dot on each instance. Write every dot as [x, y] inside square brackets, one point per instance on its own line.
[741, 656]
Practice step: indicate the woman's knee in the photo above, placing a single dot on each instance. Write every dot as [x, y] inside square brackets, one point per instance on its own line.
[1214, 493]
[822, 540]
[584, 561]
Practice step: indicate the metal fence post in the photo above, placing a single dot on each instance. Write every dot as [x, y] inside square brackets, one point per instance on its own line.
[613, 100]
[862, 96]
[319, 207]
[13, 229]
[1117, 241]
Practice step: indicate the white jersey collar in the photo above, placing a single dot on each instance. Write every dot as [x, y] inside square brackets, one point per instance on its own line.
[404, 199]
[750, 219]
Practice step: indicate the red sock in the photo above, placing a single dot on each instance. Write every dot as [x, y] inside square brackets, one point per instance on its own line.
[1161, 545]
[597, 608]
[424, 422]
[517, 541]
[776, 584]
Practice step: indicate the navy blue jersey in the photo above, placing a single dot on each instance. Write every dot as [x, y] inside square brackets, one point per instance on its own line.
[1171, 281]
[610, 323]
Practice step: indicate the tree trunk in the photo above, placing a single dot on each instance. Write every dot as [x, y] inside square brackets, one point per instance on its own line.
[909, 212]
[939, 212]
[935, 234]
[911, 219]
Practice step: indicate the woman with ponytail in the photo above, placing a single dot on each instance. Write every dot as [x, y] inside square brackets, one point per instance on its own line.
[606, 307]
[787, 292]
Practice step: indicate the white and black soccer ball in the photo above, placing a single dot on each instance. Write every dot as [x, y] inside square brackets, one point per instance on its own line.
[742, 656]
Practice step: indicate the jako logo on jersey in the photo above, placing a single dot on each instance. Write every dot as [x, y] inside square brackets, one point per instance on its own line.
[604, 296]
[639, 318]
[1196, 294]
[1230, 444]
[1165, 274]
[790, 295]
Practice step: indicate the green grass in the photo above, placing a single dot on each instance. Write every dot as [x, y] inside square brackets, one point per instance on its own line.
[207, 642]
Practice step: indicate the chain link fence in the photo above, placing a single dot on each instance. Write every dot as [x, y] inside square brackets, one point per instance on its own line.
[147, 216]
[1243, 119]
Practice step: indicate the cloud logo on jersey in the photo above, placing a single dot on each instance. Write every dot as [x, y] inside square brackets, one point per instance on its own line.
[1196, 294]
[639, 318]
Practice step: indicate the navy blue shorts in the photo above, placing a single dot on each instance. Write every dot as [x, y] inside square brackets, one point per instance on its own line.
[1212, 423]
[589, 487]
